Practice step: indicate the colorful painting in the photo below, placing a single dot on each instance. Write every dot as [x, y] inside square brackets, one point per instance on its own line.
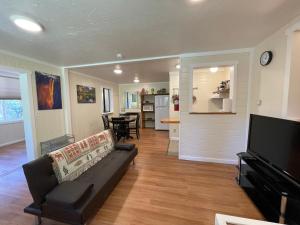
[48, 91]
[86, 94]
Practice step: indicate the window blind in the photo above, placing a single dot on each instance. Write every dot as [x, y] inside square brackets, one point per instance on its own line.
[9, 88]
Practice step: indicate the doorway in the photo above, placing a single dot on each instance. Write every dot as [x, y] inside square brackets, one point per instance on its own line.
[16, 136]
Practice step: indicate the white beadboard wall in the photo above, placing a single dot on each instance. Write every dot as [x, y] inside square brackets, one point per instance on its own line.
[214, 138]
[174, 83]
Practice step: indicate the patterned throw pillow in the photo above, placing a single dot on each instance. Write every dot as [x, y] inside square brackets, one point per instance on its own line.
[73, 160]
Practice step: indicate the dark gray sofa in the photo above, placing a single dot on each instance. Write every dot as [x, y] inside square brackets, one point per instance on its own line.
[74, 202]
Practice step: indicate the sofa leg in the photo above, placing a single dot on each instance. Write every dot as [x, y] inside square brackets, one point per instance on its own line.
[38, 220]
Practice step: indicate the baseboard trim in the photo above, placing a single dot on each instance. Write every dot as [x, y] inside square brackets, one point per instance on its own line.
[207, 159]
[174, 138]
[11, 142]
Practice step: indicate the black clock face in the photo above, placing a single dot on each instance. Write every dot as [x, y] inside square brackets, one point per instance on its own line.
[266, 58]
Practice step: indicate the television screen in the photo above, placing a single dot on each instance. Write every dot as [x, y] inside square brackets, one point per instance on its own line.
[276, 141]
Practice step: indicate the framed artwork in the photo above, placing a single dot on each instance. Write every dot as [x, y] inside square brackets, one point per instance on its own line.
[86, 94]
[48, 89]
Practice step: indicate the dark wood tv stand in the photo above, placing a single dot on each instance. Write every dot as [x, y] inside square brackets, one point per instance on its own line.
[275, 194]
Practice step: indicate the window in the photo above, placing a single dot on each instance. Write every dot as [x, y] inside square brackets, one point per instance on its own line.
[107, 100]
[131, 100]
[10, 110]
[213, 88]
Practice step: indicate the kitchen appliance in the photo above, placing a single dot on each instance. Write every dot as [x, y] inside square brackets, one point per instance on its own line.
[148, 107]
[161, 111]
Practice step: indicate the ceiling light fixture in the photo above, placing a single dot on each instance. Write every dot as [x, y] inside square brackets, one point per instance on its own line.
[178, 66]
[214, 69]
[136, 79]
[27, 24]
[118, 70]
[194, 1]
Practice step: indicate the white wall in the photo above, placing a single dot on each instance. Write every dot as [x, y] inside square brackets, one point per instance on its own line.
[11, 133]
[86, 118]
[41, 125]
[267, 82]
[293, 110]
[214, 138]
[137, 87]
[271, 84]
[174, 89]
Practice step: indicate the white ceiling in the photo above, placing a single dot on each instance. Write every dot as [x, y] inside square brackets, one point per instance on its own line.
[79, 32]
[147, 71]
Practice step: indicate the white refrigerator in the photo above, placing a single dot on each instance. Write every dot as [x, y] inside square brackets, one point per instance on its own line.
[161, 111]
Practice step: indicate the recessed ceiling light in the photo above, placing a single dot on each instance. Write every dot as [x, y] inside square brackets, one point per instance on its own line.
[136, 79]
[194, 1]
[119, 56]
[178, 66]
[118, 70]
[214, 69]
[27, 24]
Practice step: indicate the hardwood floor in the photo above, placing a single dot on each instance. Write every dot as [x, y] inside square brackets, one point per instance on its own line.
[12, 157]
[157, 190]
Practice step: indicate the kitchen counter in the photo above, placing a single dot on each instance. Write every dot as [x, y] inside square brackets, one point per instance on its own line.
[214, 113]
[170, 121]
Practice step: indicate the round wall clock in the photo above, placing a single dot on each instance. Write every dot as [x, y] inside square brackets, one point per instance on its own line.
[266, 58]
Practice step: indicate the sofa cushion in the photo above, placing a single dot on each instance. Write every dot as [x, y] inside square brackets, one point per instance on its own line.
[126, 147]
[73, 160]
[69, 194]
[40, 178]
[104, 175]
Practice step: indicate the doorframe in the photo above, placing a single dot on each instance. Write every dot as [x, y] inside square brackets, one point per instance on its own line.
[26, 90]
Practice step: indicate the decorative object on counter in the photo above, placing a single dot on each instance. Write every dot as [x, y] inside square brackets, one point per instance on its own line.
[194, 97]
[162, 91]
[175, 99]
[86, 94]
[223, 88]
[152, 91]
[48, 91]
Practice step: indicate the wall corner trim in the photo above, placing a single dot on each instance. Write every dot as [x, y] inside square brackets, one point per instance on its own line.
[211, 53]
[28, 58]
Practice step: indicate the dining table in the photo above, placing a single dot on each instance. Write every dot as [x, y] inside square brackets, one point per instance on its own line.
[124, 121]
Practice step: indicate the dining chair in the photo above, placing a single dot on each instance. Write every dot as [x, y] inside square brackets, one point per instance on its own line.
[134, 127]
[120, 129]
[105, 122]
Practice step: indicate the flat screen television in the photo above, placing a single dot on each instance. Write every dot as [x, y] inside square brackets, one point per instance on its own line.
[277, 142]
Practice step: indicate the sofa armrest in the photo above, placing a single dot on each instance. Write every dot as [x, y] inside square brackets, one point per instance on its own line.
[69, 194]
[125, 147]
